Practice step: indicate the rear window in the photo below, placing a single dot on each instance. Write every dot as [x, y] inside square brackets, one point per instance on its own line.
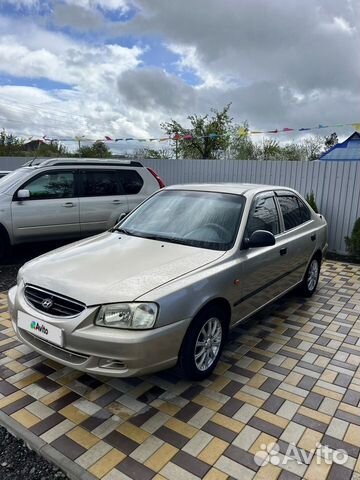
[294, 211]
[131, 181]
[100, 183]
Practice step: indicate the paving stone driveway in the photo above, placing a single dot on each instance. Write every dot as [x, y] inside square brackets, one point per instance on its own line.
[290, 376]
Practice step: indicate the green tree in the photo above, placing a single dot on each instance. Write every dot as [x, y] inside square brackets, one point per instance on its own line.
[330, 140]
[292, 152]
[312, 147]
[11, 145]
[271, 149]
[153, 153]
[53, 149]
[353, 242]
[242, 147]
[96, 150]
[209, 135]
[310, 198]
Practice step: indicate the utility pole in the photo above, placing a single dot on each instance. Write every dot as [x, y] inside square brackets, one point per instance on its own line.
[176, 145]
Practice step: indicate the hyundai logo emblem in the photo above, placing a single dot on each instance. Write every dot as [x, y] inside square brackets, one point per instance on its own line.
[47, 303]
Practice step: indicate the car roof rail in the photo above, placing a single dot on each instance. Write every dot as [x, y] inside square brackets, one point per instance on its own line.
[86, 161]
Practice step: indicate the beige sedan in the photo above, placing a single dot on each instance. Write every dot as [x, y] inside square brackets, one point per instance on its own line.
[164, 286]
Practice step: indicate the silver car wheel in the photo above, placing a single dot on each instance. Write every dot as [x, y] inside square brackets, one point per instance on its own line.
[313, 274]
[208, 344]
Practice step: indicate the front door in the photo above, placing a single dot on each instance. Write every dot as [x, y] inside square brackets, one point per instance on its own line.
[262, 270]
[52, 210]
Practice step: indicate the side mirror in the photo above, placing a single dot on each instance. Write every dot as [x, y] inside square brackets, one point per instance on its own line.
[121, 217]
[21, 194]
[259, 238]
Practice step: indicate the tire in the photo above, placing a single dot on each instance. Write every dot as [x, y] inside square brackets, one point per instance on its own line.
[209, 328]
[311, 277]
[4, 246]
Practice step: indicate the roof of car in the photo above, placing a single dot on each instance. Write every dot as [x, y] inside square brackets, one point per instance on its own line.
[56, 162]
[235, 188]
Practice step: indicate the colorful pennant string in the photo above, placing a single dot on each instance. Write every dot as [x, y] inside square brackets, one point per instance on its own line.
[241, 132]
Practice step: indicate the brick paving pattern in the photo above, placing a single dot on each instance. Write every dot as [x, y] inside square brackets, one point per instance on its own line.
[290, 375]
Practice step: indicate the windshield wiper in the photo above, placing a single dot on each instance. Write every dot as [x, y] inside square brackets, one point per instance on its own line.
[162, 238]
[123, 230]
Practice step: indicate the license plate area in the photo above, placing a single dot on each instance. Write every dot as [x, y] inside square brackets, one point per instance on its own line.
[40, 329]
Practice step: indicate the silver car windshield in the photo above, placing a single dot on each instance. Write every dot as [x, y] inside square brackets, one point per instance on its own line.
[200, 219]
[12, 178]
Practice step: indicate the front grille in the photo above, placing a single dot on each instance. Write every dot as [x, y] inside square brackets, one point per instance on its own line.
[52, 303]
[49, 348]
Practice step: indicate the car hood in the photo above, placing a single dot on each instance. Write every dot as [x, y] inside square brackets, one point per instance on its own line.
[113, 267]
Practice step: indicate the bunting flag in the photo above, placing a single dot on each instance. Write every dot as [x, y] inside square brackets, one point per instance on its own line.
[241, 132]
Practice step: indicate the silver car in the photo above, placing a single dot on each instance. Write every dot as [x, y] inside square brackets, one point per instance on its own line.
[62, 198]
[168, 282]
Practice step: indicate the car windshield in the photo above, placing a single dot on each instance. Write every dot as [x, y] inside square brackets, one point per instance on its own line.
[200, 219]
[11, 178]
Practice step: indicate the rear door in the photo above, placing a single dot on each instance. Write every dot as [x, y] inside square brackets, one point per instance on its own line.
[51, 211]
[102, 200]
[299, 233]
[134, 185]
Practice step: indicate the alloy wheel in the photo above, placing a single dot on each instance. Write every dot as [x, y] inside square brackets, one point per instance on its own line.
[313, 274]
[208, 344]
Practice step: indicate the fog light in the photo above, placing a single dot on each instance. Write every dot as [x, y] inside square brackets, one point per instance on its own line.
[111, 363]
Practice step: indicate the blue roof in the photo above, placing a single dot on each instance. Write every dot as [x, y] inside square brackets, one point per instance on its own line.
[348, 150]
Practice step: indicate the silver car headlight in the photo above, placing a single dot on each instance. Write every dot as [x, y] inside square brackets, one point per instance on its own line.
[19, 276]
[128, 315]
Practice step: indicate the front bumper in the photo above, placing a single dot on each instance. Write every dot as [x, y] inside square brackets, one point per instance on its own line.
[100, 350]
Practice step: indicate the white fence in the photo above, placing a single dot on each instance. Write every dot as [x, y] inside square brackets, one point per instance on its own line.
[336, 185]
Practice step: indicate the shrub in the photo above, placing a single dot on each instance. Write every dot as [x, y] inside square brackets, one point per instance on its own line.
[310, 198]
[353, 242]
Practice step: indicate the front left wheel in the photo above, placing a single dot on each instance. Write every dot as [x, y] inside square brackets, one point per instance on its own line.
[4, 246]
[203, 343]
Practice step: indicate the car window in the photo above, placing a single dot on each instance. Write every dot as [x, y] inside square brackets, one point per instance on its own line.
[99, 183]
[51, 185]
[305, 212]
[131, 181]
[290, 208]
[263, 216]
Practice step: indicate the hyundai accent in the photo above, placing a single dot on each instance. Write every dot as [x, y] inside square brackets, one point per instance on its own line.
[165, 285]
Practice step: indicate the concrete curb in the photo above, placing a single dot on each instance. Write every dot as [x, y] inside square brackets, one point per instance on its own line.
[72, 469]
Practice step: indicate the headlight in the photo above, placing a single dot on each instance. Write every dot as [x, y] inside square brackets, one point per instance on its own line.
[127, 315]
[19, 276]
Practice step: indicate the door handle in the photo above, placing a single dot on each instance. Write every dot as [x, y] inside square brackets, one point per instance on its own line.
[68, 204]
[117, 202]
[283, 251]
[313, 237]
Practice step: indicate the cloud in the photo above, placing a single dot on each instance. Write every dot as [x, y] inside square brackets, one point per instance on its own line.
[266, 41]
[77, 17]
[278, 63]
[153, 89]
